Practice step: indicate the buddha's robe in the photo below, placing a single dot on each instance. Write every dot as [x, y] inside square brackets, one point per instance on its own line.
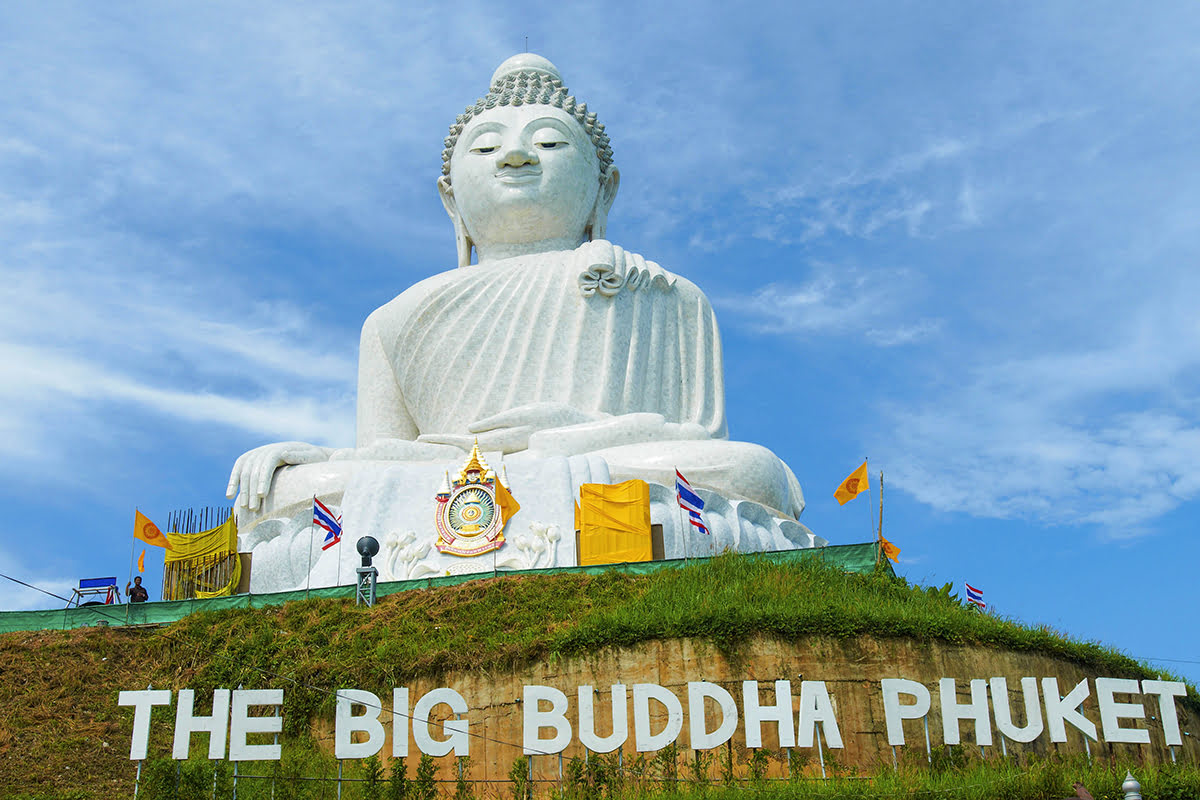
[468, 344]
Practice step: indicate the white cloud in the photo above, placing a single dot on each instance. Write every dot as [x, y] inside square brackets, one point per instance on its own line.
[88, 355]
[17, 597]
[1108, 436]
[837, 301]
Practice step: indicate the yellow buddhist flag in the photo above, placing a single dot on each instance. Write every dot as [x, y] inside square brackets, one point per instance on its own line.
[148, 532]
[508, 504]
[142, 561]
[853, 486]
[890, 550]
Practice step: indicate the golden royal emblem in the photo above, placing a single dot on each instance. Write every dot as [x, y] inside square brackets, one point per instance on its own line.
[470, 514]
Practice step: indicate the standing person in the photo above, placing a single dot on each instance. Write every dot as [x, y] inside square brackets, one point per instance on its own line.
[136, 592]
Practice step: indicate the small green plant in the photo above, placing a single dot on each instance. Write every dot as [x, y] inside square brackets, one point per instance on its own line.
[592, 777]
[665, 766]
[696, 770]
[424, 785]
[462, 783]
[951, 758]
[760, 761]
[728, 776]
[398, 784]
[575, 779]
[372, 785]
[518, 775]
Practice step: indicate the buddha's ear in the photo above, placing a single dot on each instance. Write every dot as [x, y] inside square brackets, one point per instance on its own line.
[598, 224]
[462, 241]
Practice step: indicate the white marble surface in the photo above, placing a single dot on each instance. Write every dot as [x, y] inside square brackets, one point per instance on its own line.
[556, 345]
[394, 502]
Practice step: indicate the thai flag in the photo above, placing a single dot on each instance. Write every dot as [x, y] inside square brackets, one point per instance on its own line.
[690, 502]
[975, 596]
[333, 525]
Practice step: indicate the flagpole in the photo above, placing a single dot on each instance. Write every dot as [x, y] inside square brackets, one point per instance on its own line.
[879, 538]
[312, 532]
[132, 547]
[338, 581]
[870, 516]
[684, 528]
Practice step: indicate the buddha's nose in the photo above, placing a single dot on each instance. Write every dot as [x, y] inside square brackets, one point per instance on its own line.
[516, 155]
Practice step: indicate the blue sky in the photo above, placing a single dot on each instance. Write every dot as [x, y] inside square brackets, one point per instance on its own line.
[960, 239]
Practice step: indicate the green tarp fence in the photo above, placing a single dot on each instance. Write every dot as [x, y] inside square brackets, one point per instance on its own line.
[859, 558]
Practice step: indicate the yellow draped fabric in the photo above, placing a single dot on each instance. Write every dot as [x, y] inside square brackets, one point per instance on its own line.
[614, 522]
[203, 564]
[508, 504]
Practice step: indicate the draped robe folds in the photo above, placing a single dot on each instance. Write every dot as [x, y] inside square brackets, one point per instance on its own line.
[464, 345]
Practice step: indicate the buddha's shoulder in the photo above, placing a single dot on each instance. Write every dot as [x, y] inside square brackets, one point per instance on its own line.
[405, 303]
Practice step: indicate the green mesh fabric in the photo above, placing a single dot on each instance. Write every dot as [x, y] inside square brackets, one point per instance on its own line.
[860, 558]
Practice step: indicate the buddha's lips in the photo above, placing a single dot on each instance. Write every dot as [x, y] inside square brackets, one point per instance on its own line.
[519, 175]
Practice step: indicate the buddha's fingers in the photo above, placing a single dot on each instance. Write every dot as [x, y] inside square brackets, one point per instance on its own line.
[235, 478]
[271, 459]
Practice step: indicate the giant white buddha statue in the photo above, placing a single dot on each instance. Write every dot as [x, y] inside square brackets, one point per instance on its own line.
[558, 352]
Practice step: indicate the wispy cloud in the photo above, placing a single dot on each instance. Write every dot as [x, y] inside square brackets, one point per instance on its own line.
[17, 597]
[1108, 436]
[837, 301]
[86, 355]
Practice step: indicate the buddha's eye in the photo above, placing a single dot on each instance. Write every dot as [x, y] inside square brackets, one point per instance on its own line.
[549, 139]
[486, 143]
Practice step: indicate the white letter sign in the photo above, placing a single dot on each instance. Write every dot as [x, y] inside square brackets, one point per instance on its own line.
[702, 738]
[187, 723]
[780, 713]
[535, 719]
[895, 713]
[454, 730]
[587, 720]
[143, 702]
[241, 724]
[643, 693]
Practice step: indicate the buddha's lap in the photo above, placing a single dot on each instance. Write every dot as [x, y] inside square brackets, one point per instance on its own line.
[735, 470]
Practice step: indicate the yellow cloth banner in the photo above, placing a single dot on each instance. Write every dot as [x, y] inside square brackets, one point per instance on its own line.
[614, 522]
[147, 531]
[220, 540]
[854, 485]
[890, 550]
[203, 564]
[142, 561]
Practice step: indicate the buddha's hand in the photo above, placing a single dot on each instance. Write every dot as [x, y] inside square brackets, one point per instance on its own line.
[509, 431]
[250, 479]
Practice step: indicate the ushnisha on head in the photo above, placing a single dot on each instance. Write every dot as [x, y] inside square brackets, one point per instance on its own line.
[526, 169]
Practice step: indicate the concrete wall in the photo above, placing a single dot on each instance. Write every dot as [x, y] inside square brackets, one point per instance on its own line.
[851, 668]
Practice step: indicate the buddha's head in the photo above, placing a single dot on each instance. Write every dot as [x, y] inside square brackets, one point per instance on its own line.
[526, 169]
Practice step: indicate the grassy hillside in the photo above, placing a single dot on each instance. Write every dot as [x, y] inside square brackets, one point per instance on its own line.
[63, 734]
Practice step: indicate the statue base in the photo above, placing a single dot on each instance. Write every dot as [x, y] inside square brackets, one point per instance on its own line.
[396, 503]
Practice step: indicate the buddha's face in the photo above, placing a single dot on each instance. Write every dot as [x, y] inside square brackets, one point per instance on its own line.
[524, 174]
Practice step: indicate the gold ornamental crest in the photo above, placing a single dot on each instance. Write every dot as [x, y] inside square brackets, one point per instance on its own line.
[473, 509]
